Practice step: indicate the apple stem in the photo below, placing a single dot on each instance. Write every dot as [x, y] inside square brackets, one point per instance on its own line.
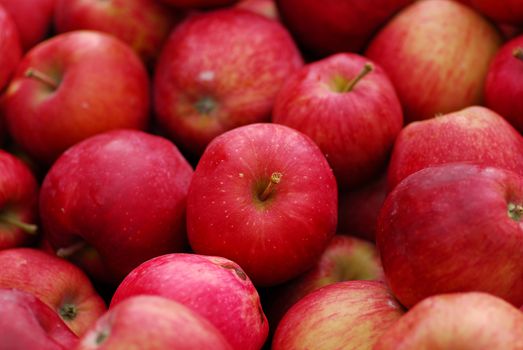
[518, 53]
[67, 252]
[44, 78]
[515, 211]
[14, 221]
[367, 68]
[275, 179]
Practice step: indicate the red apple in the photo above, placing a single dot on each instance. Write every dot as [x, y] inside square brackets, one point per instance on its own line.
[214, 287]
[264, 196]
[503, 91]
[437, 54]
[348, 106]
[18, 200]
[506, 11]
[118, 197]
[345, 259]
[344, 315]
[9, 46]
[143, 24]
[27, 323]
[265, 8]
[220, 70]
[33, 19]
[199, 3]
[58, 283]
[474, 134]
[331, 26]
[71, 87]
[152, 323]
[453, 228]
[465, 321]
[358, 209]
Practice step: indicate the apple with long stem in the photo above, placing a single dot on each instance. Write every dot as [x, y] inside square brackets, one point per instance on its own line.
[73, 86]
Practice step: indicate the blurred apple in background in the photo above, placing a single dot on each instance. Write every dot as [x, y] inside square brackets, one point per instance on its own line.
[152, 323]
[220, 70]
[58, 283]
[33, 19]
[473, 134]
[214, 287]
[459, 229]
[201, 4]
[506, 11]
[465, 321]
[27, 323]
[73, 86]
[119, 196]
[348, 106]
[358, 209]
[265, 8]
[9, 46]
[332, 26]
[344, 315]
[264, 196]
[503, 89]
[345, 259]
[143, 24]
[437, 54]
[18, 202]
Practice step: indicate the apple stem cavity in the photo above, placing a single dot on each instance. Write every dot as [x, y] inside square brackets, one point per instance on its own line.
[367, 68]
[67, 252]
[42, 77]
[9, 219]
[515, 211]
[205, 105]
[518, 53]
[275, 179]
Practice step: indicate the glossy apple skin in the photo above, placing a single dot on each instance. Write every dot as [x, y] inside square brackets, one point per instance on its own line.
[103, 85]
[33, 19]
[503, 91]
[344, 315]
[346, 258]
[214, 287]
[123, 193]
[507, 11]
[265, 8]
[473, 134]
[358, 209]
[354, 129]
[18, 199]
[475, 321]
[143, 24]
[150, 322]
[27, 323]
[454, 233]
[331, 26]
[230, 78]
[435, 67]
[56, 282]
[272, 240]
[9, 46]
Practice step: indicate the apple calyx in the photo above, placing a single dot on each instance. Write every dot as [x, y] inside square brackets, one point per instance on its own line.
[12, 220]
[518, 53]
[42, 77]
[101, 337]
[367, 68]
[275, 179]
[68, 312]
[205, 105]
[67, 252]
[515, 211]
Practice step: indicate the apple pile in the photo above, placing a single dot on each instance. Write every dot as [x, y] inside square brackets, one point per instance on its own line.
[261, 174]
